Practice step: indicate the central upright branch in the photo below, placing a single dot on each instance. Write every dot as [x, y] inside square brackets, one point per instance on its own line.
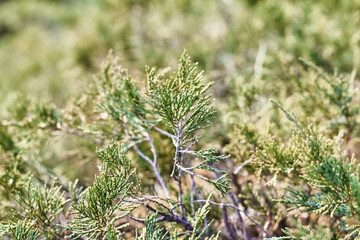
[178, 147]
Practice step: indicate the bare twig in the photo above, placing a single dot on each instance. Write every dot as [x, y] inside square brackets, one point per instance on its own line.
[161, 180]
[230, 232]
[192, 173]
[238, 209]
[184, 233]
[145, 200]
[163, 132]
[193, 188]
[195, 191]
[153, 163]
[246, 234]
[177, 151]
[172, 218]
[155, 167]
[182, 208]
[137, 219]
[190, 146]
[142, 155]
[156, 171]
[153, 150]
[238, 169]
[162, 219]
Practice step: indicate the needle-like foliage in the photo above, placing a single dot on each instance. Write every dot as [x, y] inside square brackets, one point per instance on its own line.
[94, 213]
[181, 99]
[331, 175]
[23, 229]
[38, 211]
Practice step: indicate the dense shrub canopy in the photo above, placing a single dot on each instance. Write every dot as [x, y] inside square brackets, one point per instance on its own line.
[109, 129]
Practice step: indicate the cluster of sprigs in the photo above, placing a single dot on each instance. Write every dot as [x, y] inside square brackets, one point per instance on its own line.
[23, 229]
[308, 158]
[332, 177]
[333, 96]
[22, 134]
[175, 106]
[37, 213]
[178, 101]
[94, 213]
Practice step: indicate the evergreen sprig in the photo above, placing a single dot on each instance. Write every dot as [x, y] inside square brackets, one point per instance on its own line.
[39, 209]
[151, 230]
[23, 229]
[332, 175]
[94, 213]
[180, 99]
[174, 106]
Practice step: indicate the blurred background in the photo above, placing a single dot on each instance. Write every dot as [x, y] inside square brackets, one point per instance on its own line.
[49, 49]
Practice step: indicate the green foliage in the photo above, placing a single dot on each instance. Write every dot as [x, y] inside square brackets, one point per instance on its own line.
[102, 210]
[180, 99]
[151, 230]
[292, 177]
[93, 213]
[38, 212]
[199, 218]
[20, 230]
[339, 95]
[7, 143]
[183, 91]
[331, 175]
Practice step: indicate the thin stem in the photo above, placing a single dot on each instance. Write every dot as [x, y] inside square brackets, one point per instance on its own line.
[238, 191]
[163, 132]
[190, 145]
[196, 192]
[184, 233]
[137, 219]
[153, 150]
[146, 199]
[177, 152]
[166, 217]
[162, 183]
[192, 194]
[192, 173]
[172, 218]
[230, 232]
[182, 209]
[238, 209]
[238, 169]
[152, 163]
[156, 171]
[142, 155]
[246, 234]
